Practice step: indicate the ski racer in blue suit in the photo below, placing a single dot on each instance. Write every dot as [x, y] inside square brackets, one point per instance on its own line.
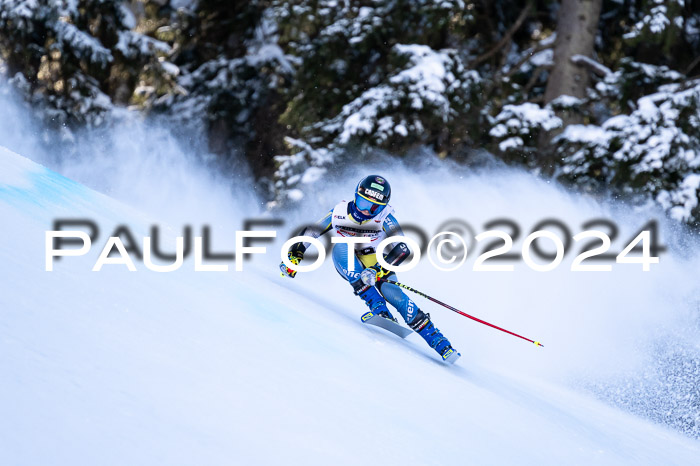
[370, 216]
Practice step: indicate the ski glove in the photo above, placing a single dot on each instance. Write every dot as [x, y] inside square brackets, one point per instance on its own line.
[294, 258]
[370, 275]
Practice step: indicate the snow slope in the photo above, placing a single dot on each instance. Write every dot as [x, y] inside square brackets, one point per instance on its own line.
[143, 368]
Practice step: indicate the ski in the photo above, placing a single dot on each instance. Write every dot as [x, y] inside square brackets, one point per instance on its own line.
[386, 324]
[450, 357]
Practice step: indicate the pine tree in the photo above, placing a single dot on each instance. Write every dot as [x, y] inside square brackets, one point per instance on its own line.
[231, 72]
[71, 58]
[298, 86]
[381, 75]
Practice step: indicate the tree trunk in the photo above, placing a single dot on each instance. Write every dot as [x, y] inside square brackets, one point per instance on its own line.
[577, 25]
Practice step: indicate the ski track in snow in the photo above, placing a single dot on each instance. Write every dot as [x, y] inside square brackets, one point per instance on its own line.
[245, 368]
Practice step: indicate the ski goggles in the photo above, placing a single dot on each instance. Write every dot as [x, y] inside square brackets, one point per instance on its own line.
[368, 207]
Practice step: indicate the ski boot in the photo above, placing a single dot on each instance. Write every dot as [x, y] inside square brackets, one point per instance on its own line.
[375, 301]
[424, 327]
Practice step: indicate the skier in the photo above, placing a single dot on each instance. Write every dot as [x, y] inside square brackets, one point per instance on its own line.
[369, 215]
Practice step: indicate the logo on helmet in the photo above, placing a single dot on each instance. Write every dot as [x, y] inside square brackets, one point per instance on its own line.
[379, 179]
[374, 194]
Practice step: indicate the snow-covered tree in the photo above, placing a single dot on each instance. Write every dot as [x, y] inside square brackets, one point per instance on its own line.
[375, 75]
[654, 151]
[73, 59]
[517, 129]
[231, 71]
[292, 87]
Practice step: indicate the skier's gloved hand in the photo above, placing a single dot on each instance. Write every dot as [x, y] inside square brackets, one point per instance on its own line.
[294, 258]
[370, 275]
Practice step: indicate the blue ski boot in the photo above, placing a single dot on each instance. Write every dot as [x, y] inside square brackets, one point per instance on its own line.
[375, 301]
[424, 327]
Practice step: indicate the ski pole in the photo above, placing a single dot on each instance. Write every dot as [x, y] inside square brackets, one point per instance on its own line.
[460, 312]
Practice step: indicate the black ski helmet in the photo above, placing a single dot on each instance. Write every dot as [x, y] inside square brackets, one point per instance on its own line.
[372, 195]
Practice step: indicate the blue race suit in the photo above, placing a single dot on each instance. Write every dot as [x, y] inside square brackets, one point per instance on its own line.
[364, 256]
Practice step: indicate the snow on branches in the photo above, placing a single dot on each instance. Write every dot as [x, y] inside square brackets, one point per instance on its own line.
[73, 58]
[428, 91]
[517, 127]
[432, 86]
[655, 150]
